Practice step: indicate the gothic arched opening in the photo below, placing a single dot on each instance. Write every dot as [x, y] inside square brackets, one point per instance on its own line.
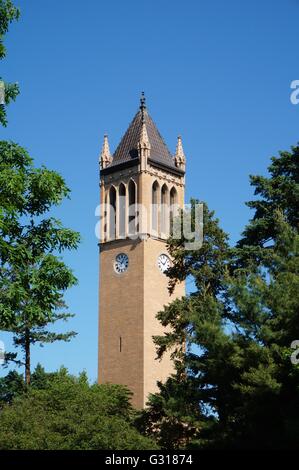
[165, 210]
[173, 207]
[122, 210]
[132, 207]
[112, 213]
[105, 216]
[155, 206]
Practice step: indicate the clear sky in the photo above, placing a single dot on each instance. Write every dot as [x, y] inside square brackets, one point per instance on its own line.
[217, 72]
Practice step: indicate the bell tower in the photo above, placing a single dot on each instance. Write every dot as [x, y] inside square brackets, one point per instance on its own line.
[142, 186]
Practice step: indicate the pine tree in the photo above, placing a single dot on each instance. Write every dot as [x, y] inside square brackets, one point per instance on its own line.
[235, 384]
[181, 412]
[266, 308]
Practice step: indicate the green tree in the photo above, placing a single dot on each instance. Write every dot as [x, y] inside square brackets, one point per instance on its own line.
[8, 13]
[265, 312]
[13, 384]
[236, 373]
[266, 309]
[33, 278]
[181, 412]
[67, 413]
[277, 193]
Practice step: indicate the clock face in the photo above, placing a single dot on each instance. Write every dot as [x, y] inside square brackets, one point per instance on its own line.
[121, 263]
[163, 263]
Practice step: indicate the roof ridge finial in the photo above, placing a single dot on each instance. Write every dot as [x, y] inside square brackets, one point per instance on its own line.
[142, 105]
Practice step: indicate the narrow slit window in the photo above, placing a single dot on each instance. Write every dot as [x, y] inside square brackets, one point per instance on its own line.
[122, 210]
[132, 207]
[164, 211]
[155, 189]
[112, 208]
[120, 343]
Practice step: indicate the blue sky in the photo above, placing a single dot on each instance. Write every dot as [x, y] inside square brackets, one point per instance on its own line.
[219, 73]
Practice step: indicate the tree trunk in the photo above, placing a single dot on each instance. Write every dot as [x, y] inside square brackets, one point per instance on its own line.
[27, 356]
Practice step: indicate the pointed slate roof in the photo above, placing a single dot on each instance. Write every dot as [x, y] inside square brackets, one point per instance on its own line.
[127, 150]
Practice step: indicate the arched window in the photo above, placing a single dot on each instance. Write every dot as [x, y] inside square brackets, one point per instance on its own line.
[155, 206]
[122, 210]
[132, 207]
[112, 213]
[105, 215]
[164, 210]
[173, 206]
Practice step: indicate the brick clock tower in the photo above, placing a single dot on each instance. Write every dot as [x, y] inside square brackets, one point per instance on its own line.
[141, 185]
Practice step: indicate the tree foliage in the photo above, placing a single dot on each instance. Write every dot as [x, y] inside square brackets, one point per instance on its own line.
[33, 278]
[8, 14]
[65, 412]
[235, 379]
